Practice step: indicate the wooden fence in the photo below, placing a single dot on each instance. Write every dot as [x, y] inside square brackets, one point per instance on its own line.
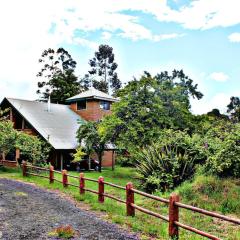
[173, 202]
[7, 163]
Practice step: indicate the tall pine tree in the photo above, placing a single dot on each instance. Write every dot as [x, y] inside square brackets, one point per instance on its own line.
[233, 108]
[102, 74]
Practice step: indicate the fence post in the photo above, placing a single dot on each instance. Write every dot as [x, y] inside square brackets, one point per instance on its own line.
[173, 216]
[101, 189]
[64, 178]
[51, 174]
[24, 168]
[81, 183]
[130, 200]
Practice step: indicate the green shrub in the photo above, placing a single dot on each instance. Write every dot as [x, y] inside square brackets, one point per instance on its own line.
[164, 167]
[124, 160]
[32, 148]
[223, 150]
[169, 162]
[7, 137]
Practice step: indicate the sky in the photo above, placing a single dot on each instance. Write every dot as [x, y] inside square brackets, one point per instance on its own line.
[202, 37]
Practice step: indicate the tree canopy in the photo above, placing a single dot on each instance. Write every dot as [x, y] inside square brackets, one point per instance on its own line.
[92, 139]
[57, 71]
[150, 104]
[32, 148]
[103, 74]
[233, 108]
[7, 137]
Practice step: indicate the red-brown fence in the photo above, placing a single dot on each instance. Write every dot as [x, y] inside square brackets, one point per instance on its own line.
[173, 202]
[7, 163]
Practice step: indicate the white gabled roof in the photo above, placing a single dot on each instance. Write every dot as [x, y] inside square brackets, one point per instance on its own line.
[92, 93]
[58, 127]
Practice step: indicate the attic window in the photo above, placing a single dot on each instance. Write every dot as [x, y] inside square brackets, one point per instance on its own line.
[105, 105]
[81, 105]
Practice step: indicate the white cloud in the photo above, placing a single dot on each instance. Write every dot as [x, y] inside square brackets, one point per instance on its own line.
[219, 76]
[27, 27]
[234, 37]
[84, 42]
[204, 14]
[106, 35]
[161, 37]
[219, 101]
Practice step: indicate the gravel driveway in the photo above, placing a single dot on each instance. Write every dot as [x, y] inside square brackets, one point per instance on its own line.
[28, 212]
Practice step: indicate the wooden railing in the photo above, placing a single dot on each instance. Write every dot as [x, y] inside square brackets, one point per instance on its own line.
[173, 202]
[8, 163]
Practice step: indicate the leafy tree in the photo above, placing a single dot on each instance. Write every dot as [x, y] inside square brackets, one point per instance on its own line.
[32, 148]
[233, 108]
[179, 78]
[103, 71]
[148, 105]
[223, 149]
[58, 73]
[7, 137]
[92, 139]
[4, 114]
[216, 114]
[79, 155]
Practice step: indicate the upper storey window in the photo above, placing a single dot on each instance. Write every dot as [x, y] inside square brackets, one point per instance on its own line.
[81, 105]
[105, 105]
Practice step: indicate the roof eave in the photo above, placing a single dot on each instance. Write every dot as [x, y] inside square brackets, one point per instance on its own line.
[92, 97]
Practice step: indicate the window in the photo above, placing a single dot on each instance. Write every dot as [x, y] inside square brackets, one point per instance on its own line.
[81, 105]
[105, 105]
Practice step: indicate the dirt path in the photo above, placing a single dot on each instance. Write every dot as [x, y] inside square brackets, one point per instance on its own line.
[28, 212]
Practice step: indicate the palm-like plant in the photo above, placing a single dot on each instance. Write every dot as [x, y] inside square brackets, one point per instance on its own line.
[164, 167]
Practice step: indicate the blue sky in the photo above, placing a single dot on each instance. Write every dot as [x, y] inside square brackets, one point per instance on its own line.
[202, 37]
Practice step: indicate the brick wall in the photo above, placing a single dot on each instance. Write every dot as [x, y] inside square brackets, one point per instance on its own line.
[93, 112]
[107, 158]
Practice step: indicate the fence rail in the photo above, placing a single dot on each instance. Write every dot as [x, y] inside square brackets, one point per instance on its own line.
[8, 163]
[173, 202]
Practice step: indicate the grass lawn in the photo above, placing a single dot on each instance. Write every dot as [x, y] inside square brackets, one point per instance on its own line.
[206, 192]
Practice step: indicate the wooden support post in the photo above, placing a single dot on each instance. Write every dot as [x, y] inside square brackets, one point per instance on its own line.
[24, 168]
[100, 189]
[23, 123]
[130, 200]
[81, 183]
[64, 178]
[113, 159]
[173, 216]
[17, 155]
[51, 174]
[61, 160]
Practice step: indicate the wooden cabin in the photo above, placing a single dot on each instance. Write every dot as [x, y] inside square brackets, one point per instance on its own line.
[58, 123]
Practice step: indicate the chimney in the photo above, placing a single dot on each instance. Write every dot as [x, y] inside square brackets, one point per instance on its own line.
[49, 104]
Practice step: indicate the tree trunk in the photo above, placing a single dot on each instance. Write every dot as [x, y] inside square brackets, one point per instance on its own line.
[100, 162]
[89, 162]
[113, 160]
[108, 85]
